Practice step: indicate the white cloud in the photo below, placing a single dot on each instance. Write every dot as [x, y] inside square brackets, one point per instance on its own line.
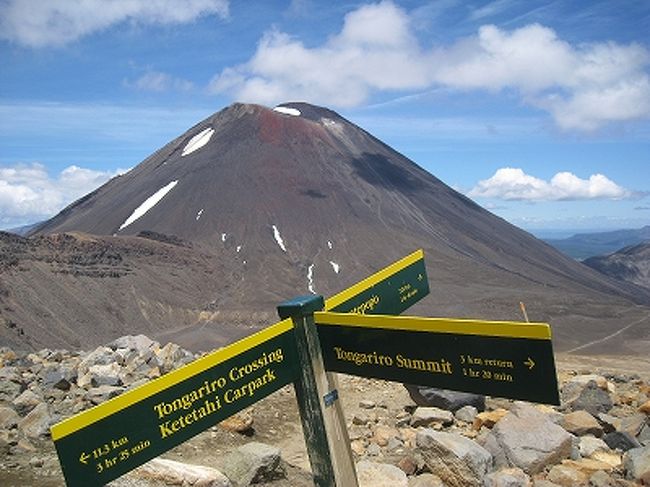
[159, 82]
[582, 86]
[28, 193]
[510, 183]
[38, 23]
[375, 50]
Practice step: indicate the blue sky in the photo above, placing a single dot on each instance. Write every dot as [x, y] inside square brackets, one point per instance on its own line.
[539, 111]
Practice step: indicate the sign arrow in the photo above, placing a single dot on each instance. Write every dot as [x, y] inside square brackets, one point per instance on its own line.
[83, 458]
[529, 363]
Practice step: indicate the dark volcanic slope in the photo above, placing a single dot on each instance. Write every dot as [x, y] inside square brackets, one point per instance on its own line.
[309, 201]
[630, 264]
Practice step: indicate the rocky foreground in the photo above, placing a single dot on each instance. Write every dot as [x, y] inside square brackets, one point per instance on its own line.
[600, 436]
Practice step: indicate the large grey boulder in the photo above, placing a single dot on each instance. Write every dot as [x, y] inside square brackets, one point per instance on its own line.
[457, 460]
[528, 439]
[592, 399]
[250, 463]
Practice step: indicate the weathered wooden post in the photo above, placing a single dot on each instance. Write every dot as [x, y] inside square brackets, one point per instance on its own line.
[323, 422]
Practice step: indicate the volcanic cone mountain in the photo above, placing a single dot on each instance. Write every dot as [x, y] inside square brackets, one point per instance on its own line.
[286, 201]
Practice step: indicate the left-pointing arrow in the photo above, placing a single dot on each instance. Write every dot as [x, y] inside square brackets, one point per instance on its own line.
[83, 458]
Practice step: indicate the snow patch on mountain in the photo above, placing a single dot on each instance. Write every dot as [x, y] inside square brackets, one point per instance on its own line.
[329, 244]
[335, 266]
[149, 203]
[198, 141]
[198, 214]
[310, 279]
[288, 111]
[278, 238]
[223, 237]
[238, 248]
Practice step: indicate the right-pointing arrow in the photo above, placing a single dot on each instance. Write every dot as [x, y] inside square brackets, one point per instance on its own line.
[529, 363]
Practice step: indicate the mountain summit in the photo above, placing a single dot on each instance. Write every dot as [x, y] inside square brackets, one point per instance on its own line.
[297, 199]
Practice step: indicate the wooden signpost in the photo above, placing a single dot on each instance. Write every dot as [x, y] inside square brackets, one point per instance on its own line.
[353, 335]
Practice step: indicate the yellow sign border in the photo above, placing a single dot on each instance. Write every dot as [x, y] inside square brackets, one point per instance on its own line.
[133, 396]
[374, 279]
[509, 329]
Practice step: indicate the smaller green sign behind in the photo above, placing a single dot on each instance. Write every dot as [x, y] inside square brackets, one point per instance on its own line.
[390, 291]
[502, 359]
[104, 442]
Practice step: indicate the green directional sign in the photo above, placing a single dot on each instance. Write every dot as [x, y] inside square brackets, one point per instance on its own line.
[390, 291]
[102, 443]
[503, 359]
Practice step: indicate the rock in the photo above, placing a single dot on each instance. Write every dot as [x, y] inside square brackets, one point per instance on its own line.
[9, 390]
[645, 408]
[8, 418]
[611, 458]
[367, 404]
[601, 479]
[426, 480]
[37, 423]
[636, 463]
[105, 375]
[408, 465]
[383, 434]
[27, 401]
[402, 419]
[170, 472]
[241, 422]
[59, 378]
[358, 447]
[589, 445]
[373, 450]
[466, 414]
[372, 474]
[619, 440]
[98, 395]
[139, 343]
[457, 460]
[633, 424]
[250, 463]
[172, 357]
[608, 422]
[360, 419]
[527, 439]
[507, 477]
[544, 483]
[592, 399]
[99, 356]
[445, 399]
[644, 435]
[567, 476]
[425, 416]
[581, 423]
[488, 418]
[587, 465]
[395, 445]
